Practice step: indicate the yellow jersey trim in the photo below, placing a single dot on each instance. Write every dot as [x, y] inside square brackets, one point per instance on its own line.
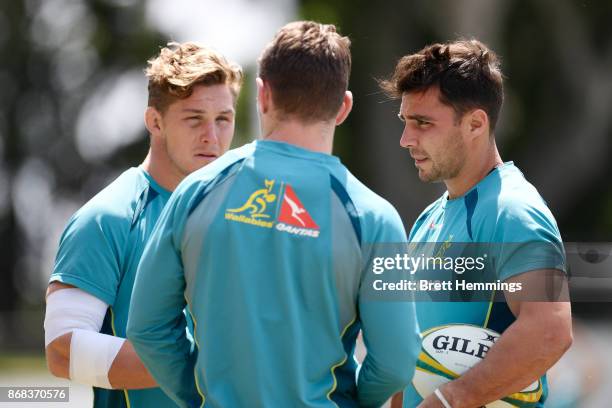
[333, 368]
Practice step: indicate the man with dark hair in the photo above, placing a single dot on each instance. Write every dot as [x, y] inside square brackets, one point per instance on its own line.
[268, 248]
[451, 98]
[190, 118]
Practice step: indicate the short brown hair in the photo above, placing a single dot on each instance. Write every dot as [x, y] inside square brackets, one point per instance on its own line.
[307, 66]
[180, 67]
[466, 71]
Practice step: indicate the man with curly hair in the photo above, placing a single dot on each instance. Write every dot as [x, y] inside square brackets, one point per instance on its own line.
[451, 97]
[190, 120]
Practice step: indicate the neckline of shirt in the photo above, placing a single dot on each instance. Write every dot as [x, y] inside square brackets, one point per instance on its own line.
[154, 183]
[451, 201]
[289, 149]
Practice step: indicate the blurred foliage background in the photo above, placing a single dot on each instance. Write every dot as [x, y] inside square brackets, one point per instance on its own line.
[72, 96]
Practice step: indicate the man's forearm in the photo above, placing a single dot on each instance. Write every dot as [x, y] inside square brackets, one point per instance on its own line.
[126, 371]
[526, 350]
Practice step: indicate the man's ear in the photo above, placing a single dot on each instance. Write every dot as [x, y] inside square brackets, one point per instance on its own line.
[345, 108]
[263, 95]
[476, 124]
[153, 121]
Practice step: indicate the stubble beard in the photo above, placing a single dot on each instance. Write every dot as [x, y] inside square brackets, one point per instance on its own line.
[448, 165]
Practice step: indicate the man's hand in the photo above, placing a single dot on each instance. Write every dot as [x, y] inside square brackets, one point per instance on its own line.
[540, 335]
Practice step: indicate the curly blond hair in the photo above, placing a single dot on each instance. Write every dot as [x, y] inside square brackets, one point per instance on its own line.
[179, 67]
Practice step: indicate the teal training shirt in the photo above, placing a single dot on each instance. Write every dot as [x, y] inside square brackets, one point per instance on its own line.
[502, 208]
[267, 247]
[99, 252]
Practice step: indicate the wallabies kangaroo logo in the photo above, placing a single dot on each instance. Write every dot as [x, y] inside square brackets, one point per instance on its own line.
[258, 202]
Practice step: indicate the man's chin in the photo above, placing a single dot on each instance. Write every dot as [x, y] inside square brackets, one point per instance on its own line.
[203, 161]
[429, 177]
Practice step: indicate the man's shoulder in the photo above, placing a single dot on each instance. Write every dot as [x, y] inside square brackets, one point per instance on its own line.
[514, 195]
[375, 212]
[512, 203]
[96, 238]
[364, 198]
[115, 204]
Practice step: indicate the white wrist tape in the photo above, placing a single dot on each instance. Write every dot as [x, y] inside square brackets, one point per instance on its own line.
[91, 353]
[443, 400]
[69, 309]
[91, 357]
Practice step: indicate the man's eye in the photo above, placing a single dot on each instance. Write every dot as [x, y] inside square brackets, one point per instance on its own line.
[223, 119]
[193, 121]
[422, 123]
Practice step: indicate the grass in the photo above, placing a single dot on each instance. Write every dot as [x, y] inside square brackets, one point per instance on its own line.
[22, 362]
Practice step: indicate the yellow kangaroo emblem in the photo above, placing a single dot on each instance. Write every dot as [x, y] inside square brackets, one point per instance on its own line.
[257, 201]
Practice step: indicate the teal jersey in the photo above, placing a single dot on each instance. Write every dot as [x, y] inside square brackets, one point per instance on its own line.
[99, 252]
[502, 208]
[268, 248]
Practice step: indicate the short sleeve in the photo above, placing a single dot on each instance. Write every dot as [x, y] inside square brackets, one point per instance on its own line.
[526, 238]
[89, 254]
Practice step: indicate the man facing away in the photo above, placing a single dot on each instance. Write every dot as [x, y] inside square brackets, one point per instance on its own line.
[451, 98]
[267, 247]
[190, 119]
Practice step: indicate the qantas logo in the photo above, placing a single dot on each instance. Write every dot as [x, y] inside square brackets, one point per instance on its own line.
[296, 210]
[292, 218]
[292, 211]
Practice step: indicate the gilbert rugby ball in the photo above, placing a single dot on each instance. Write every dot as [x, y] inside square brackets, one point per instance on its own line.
[449, 351]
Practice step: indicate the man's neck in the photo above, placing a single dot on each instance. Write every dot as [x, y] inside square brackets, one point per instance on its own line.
[162, 171]
[318, 137]
[473, 172]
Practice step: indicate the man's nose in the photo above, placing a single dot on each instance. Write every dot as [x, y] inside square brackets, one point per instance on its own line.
[208, 132]
[408, 139]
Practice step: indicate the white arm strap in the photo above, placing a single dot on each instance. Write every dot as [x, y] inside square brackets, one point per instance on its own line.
[91, 353]
[69, 309]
